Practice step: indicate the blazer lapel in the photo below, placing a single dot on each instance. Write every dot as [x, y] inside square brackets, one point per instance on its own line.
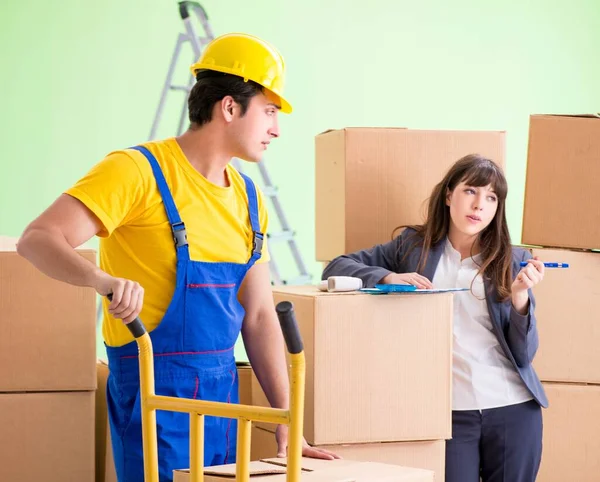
[435, 253]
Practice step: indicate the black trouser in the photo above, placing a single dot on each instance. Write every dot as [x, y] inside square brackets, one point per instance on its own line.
[499, 445]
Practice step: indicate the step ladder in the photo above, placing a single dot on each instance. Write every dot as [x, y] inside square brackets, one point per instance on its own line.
[287, 234]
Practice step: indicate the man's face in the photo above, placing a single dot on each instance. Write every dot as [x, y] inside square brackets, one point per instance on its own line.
[251, 133]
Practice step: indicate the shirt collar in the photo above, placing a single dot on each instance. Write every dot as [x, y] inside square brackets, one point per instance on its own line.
[449, 250]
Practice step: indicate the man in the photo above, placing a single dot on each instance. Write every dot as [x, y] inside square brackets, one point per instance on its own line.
[182, 244]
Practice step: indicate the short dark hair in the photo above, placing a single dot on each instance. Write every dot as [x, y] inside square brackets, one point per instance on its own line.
[211, 87]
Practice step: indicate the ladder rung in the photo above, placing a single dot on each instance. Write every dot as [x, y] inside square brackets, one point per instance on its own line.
[300, 280]
[270, 191]
[281, 236]
[184, 88]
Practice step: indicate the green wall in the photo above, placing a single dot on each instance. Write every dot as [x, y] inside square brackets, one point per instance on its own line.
[83, 79]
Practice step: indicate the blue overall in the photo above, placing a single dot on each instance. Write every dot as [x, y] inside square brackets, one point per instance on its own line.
[193, 355]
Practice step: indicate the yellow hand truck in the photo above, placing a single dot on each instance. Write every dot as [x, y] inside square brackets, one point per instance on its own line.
[245, 414]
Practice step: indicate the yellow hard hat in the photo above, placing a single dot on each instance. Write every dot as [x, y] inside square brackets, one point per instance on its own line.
[248, 57]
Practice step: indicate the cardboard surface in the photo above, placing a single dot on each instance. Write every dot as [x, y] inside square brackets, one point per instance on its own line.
[571, 434]
[47, 437]
[429, 454]
[567, 302]
[371, 180]
[47, 329]
[245, 383]
[262, 444]
[563, 175]
[315, 471]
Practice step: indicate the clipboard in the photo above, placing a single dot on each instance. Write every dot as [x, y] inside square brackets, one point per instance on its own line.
[384, 289]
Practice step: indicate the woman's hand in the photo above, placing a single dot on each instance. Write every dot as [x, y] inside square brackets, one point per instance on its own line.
[528, 277]
[407, 279]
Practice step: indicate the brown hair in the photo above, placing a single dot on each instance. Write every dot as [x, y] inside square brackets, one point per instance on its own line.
[477, 171]
[211, 87]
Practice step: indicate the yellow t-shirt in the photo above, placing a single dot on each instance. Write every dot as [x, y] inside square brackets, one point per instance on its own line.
[136, 241]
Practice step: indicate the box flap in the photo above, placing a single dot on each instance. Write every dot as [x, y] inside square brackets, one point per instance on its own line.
[327, 131]
[588, 116]
[371, 472]
[256, 468]
[310, 464]
[387, 128]
[352, 470]
[311, 290]
[358, 128]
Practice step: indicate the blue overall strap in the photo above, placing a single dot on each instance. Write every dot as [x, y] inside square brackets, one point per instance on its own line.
[177, 226]
[257, 236]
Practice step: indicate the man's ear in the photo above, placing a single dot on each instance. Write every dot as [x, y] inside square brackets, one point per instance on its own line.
[228, 108]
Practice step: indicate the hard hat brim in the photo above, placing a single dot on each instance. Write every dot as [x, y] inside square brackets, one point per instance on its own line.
[286, 107]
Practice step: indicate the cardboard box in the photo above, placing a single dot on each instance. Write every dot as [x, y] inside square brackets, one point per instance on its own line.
[314, 470]
[358, 470]
[262, 444]
[105, 465]
[429, 455]
[47, 436]
[371, 180]
[245, 383]
[563, 175]
[378, 368]
[568, 325]
[571, 434]
[101, 420]
[47, 329]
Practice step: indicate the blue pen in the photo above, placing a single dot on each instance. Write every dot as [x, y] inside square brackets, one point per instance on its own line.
[549, 265]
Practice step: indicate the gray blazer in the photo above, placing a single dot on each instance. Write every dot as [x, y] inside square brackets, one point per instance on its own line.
[517, 334]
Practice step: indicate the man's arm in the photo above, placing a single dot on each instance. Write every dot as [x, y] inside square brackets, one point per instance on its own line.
[49, 243]
[266, 349]
[262, 336]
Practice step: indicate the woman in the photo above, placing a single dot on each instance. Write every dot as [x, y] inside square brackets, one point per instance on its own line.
[464, 243]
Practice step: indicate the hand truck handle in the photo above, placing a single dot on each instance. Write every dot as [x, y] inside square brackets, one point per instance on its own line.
[184, 9]
[289, 327]
[136, 327]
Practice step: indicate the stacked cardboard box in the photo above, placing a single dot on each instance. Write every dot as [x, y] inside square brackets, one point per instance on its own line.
[560, 213]
[427, 454]
[371, 180]
[314, 470]
[563, 175]
[47, 374]
[378, 376]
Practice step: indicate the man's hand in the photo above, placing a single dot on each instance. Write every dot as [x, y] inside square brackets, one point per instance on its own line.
[281, 436]
[127, 296]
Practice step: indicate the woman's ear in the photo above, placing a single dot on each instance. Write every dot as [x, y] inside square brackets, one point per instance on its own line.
[448, 196]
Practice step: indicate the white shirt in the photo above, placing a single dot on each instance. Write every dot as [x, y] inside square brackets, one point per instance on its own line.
[482, 376]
